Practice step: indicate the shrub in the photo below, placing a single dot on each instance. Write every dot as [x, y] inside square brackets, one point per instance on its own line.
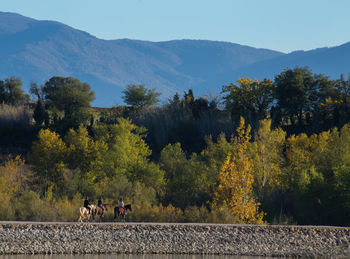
[31, 208]
[147, 212]
[11, 116]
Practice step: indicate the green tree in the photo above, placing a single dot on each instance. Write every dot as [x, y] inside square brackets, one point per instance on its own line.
[295, 90]
[36, 91]
[68, 100]
[186, 179]
[215, 154]
[341, 198]
[139, 96]
[305, 190]
[11, 91]
[128, 154]
[40, 114]
[335, 106]
[175, 101]
[3, 94]
[249, 98]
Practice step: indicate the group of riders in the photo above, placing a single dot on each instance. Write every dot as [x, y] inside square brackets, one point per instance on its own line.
[100, 204]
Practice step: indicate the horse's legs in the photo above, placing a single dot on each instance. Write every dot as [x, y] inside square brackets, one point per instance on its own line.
[116, 212]
[82, 215]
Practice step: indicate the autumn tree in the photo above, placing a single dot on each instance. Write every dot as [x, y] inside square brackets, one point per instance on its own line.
[267, 158]
[47, 158]
[301, 156]
[14, 177]
[85, 158]
[235, 182]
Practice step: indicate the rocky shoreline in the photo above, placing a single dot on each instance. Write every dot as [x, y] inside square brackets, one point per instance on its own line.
[155, 238]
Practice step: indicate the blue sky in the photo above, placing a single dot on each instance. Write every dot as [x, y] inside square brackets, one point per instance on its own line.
[283, 25]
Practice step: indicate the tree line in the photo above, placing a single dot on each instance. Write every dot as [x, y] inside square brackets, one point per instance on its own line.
[262, 152]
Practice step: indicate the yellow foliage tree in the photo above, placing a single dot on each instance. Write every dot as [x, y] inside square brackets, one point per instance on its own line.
[307, 157]
[47, 158]
[13, 177]
[235, 182]
[267, 158]
[86, 154]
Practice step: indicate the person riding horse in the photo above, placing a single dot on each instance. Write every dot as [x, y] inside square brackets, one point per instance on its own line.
[100, 204]
[87, 205]
[121, 205]
[120, 209]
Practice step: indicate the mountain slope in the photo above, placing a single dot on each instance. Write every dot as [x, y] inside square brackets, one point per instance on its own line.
[37, 50]
[328, 61]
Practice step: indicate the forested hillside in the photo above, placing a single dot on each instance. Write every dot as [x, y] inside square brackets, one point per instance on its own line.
[263, 152]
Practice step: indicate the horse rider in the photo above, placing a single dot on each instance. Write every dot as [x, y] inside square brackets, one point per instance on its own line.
[100, 204]
[87, 204]
[121, 205]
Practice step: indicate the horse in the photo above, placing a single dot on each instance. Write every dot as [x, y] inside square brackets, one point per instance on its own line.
[84, 214]
[122, 213]
[96, 210]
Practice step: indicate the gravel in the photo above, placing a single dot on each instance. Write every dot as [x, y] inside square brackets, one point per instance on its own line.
[154, 238]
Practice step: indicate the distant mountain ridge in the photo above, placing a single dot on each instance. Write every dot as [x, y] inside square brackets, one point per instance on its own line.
[37, 50]
[331, 62]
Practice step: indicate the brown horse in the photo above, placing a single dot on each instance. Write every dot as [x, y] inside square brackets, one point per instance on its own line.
[121, 213]
[98, 211]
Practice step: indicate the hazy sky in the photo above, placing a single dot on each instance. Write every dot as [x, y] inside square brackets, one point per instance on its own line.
[283, 25]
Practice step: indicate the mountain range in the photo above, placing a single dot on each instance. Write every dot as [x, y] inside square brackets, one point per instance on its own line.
[37, 50]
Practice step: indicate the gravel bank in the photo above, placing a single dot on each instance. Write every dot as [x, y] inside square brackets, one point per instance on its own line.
[92, 238]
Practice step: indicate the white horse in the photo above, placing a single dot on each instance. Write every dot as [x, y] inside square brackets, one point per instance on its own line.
[84, 214]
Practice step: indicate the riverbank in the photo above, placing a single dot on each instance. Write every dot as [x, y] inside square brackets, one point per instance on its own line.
[93, 238]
